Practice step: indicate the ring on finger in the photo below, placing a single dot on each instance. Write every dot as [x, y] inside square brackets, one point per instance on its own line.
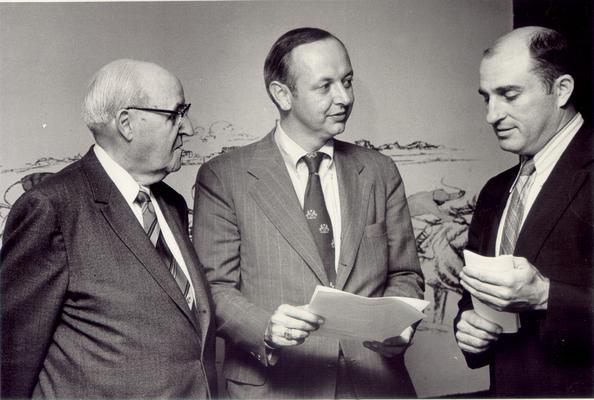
[287, 335]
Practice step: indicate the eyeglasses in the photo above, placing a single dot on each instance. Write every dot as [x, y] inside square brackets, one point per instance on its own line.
[180, 115]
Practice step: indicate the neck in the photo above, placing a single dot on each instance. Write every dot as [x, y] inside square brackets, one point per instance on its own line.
[308, 141]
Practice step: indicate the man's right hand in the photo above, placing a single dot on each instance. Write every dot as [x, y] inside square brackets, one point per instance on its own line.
[290, 326]
[476, 334]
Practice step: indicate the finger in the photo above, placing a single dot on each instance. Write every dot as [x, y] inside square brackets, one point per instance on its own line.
[473, 341]
[522, 263]
[278, 318]
[288, 333]
[279, 341]
[385, 351]
[396, 341]
[473, 324]
[498, 302]
[301, 313]
[486, 276]
[470, 349]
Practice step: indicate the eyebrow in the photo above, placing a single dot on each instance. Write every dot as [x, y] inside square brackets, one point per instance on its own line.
[502, 90]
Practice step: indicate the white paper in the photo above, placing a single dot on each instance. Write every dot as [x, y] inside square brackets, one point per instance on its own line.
[349, 316]
[510, 322]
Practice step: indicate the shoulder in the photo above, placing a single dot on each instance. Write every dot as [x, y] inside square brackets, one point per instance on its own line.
[234, 158]
[369, 157]
[55, 187]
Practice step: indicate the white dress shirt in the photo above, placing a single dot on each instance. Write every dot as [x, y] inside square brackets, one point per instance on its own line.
[544, 162]
[292, 153]
[129, 188]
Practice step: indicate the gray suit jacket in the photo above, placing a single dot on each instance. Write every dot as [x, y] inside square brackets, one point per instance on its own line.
[258, 252]
[88, 307]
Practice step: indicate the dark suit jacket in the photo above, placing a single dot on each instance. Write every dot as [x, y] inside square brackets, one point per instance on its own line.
[257, 249]
[552, 353]
[88, 307]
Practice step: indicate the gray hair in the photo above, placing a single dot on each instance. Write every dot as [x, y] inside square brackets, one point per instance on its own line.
[114, 87]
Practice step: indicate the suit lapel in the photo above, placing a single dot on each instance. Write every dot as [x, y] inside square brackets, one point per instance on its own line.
[559, 190]
[354, 191]
[274, 193]
[122, 221]
[192, 264]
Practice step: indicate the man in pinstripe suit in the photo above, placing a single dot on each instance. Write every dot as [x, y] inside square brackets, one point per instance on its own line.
[264, 261]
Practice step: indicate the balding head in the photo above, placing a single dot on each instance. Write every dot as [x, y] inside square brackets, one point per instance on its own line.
[548, 49]
[117, 85]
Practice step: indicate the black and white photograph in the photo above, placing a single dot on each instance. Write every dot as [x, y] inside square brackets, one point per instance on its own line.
[322, 199]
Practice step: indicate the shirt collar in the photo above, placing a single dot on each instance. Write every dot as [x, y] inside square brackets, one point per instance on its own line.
[552, 151]
[292, 152]
[120, 177]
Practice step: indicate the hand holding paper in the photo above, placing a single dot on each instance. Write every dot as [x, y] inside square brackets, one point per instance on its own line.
[477, 277]
[349, 316]
[505, 283]
[393, 346]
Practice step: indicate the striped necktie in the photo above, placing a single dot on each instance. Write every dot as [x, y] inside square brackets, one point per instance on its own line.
[317, 215]
[151, 227]
[515, 210]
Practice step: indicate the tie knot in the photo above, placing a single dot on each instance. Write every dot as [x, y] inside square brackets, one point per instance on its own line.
[313, 161]
[527, 167]
[143, 196]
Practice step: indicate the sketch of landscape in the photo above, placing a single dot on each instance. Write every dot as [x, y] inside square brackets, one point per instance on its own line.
[440, 215]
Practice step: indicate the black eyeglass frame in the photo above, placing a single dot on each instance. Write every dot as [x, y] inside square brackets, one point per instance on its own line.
[181, 114]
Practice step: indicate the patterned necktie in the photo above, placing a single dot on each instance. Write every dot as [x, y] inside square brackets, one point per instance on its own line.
[151, 227]
[317, 215]
[515, 210]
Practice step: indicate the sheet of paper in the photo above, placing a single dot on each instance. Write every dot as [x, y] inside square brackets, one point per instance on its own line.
[349, 316]
[510, 322]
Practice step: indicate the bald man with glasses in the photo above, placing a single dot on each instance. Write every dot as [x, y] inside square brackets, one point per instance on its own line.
[102, 293]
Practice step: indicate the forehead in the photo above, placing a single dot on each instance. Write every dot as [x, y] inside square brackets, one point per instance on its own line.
[508, 65]
[324, 58]
[162, 88]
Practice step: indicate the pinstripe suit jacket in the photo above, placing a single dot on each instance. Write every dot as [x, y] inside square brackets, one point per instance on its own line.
[88, 307]
[255, 244]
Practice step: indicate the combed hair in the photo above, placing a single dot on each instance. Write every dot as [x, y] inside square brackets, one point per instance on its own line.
[277, 64]
[114, 87]
[551, 56]
[550, 53]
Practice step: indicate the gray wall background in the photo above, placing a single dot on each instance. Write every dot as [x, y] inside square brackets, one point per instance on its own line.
[416, 78]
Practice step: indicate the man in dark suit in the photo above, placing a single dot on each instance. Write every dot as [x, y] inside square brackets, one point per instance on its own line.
[540, 212]
[90, 303]
[269, 227]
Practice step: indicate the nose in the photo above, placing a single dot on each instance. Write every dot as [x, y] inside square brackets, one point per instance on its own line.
[495, 111]
[343, 95]
[185, 127]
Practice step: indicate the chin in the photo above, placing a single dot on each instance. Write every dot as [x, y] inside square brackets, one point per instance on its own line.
[510, 146]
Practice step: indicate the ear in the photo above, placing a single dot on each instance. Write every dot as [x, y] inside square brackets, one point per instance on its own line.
[123, 124]
[563, 89]
[281, 94]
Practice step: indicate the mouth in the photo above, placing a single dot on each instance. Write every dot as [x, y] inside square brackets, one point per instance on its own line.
[503, 131]
[339, 116]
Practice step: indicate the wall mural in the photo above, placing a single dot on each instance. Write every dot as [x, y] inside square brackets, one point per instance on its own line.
[440, 216]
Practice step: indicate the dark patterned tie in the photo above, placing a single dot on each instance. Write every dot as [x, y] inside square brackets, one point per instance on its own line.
[515, 211]
[151, 227]
[317, 215]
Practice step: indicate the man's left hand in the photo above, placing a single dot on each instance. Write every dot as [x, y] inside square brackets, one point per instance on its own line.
[522, 288]
[393, 346]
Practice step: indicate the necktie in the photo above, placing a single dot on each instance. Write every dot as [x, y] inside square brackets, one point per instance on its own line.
[151, 227]
[515, 210]
[317, 215]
